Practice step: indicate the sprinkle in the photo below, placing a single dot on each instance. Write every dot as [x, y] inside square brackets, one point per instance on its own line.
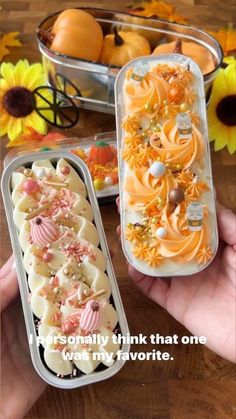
[91, 297]
[56, 184]
[37, 211]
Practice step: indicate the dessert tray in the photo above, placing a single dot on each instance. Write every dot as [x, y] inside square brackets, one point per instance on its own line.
[66, 280]
[102, 165]
[168, 217]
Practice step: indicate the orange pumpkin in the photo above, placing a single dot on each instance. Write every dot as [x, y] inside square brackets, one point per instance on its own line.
[77, 34]
[201, 55]
[100, 153]
[119, 48]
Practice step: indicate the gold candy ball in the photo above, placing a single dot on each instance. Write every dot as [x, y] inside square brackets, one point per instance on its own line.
[184, 107]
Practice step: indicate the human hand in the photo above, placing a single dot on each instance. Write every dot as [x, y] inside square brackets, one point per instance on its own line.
[205, 302]
[21, 386]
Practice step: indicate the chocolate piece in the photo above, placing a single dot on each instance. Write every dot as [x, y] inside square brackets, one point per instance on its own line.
[176, 195]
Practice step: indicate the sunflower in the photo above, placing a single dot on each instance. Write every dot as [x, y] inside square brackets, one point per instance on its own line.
[221, 110]
[17, 112]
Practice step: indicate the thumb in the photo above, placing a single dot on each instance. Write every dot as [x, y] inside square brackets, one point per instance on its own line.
[226, 224]
[8, 284]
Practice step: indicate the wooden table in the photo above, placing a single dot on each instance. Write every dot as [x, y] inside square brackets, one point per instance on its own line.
[198, 383]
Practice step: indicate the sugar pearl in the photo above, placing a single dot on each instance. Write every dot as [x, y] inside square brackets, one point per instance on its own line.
[30, 186]
[27, 172]
[41, 173]
[161, 232]
[108, 181]
[65, 170]
[157, 169]
[47, 257]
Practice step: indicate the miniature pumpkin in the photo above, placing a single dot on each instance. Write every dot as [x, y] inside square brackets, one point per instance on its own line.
[100, 153]
[77, 34]
[119, 48]
[196, 52]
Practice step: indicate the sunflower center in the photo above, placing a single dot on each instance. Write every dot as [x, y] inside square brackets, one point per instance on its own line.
[225, 110]
[18, 102]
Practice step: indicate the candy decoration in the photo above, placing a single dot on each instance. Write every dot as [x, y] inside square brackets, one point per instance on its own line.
[91, 316]
[43, 231]
[176, 195]
[65, 170]
[27, 172]
[108, 181]
[161, 232]
[184, 107]
[157, 169]
[184, 125]
[47, 257]
[37, 211]
[98, 184]
[41, 173]
[195, 216]
[30, 186]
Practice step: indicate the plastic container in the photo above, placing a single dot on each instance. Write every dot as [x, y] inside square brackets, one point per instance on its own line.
[147, 208]
[36, 352]
[91, 84]
[108, 193]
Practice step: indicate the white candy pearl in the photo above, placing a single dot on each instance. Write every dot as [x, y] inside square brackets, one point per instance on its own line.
[161, 232]
[157, 169]
[108, 181]
[40, 173]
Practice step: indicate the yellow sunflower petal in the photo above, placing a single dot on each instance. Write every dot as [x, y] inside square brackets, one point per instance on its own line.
[231, 143]
[230, 74]
[34, 76]
[219, 89]
[20, 70]
[222, 138]
[35, 121]
[4, 119]
[3, 86]
[7, 72]
[14, 128]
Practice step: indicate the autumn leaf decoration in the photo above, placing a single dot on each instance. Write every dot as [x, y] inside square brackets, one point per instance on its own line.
[6, 41]
[227, 38]
[156, 9]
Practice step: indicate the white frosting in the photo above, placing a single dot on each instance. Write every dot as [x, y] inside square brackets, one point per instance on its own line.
[76, 266]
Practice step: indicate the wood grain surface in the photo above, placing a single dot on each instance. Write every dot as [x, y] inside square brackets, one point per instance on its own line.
[197, 383]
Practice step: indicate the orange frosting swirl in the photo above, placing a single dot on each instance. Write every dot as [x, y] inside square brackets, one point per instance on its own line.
[181, 246]
[151, 92]
[176, 150]
[144, 189]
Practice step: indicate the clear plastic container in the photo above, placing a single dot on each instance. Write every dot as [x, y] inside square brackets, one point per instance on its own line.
[29, 290]
[168, 215]
[91, 84]
[108, 192]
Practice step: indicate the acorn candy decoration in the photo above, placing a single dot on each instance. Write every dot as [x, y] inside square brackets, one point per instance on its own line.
[91, 316]
[43, 230]
[176, 196]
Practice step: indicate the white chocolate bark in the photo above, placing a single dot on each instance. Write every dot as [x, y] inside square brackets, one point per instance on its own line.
[64, 264]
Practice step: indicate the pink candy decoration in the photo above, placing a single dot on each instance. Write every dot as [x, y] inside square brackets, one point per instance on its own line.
[30, 186]
[43, 231]
[91, 316]
[65, 170]
[47, 257]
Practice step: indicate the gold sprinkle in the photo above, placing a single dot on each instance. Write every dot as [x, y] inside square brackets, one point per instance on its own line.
[91, 297]
[65, 222]
[56, 184]
[37, 211]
